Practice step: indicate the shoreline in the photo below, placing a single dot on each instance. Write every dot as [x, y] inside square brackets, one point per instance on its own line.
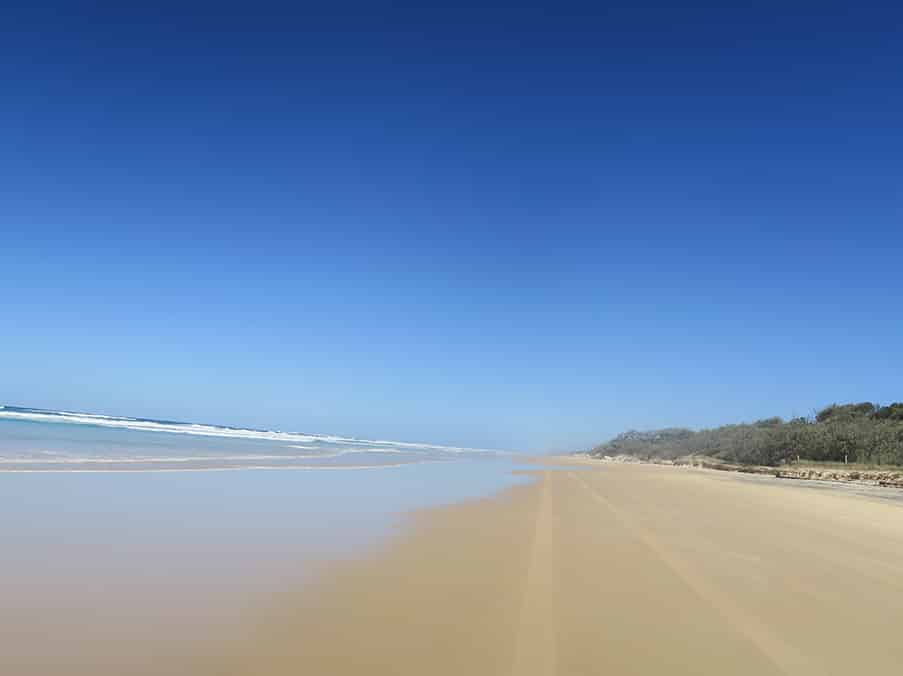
[139, 572]
[248, 468]
[603, 567]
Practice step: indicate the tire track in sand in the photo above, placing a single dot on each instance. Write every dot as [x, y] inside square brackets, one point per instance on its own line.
[536, 643]
[784, 656]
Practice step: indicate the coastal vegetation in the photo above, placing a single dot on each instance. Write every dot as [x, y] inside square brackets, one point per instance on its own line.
[863, 434]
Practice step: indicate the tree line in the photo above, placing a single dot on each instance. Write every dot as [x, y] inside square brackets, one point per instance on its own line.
[863, 433]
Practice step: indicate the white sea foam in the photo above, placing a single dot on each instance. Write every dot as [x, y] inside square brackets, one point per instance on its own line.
[155, 459]
[53, 458]
[240, 468]
[67, 417]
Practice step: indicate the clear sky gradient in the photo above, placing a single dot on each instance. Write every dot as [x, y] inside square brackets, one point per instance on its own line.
[522, 227]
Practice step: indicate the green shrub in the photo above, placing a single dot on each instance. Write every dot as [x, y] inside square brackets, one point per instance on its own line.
[858, 433]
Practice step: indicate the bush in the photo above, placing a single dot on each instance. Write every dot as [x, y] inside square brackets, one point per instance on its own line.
[846, 412]
[860, 433]
[891, 412]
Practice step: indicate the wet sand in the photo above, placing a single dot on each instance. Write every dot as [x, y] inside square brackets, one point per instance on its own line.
[614, 569]
[110, 573]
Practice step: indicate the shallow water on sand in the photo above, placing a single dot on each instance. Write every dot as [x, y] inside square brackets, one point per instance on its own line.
[154, 562]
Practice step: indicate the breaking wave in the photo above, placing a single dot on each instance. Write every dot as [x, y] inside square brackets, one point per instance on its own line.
[172, 427]
[86, 446]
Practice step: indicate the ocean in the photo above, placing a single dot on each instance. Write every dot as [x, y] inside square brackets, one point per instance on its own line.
[41, 440]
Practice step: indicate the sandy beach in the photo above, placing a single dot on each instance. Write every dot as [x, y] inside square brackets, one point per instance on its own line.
[615, 569]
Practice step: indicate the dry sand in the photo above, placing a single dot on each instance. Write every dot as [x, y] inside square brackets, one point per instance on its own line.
[608, 569]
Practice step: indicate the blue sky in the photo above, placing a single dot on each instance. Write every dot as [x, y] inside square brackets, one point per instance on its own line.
[523, 228]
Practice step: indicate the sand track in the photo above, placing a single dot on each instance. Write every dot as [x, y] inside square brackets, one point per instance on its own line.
[536, 640]
[616, 569]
